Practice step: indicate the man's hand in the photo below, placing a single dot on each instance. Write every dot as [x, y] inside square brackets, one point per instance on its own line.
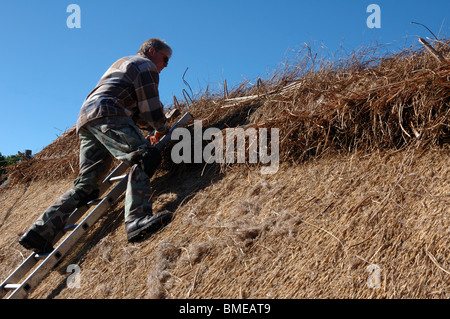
[154, 139]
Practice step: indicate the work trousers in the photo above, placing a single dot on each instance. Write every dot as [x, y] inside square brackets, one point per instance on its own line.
[100, 141]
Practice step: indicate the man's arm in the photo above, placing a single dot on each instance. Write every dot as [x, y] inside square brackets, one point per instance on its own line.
[149, 105]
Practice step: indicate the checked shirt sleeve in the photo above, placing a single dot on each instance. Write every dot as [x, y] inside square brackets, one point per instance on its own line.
[150, 108]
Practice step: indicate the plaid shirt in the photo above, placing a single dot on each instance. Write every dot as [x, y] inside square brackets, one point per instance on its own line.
[128, 88]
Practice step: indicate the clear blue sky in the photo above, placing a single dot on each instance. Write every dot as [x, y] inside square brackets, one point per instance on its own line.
[47, 69]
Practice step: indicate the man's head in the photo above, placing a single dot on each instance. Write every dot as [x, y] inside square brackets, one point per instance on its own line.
[158, 51]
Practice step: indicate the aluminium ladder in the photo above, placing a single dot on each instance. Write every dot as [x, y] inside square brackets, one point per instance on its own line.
[16, 287]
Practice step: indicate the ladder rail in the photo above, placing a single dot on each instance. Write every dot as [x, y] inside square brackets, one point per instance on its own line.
[18, 274]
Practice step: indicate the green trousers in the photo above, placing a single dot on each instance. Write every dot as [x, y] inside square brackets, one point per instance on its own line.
[100, 141]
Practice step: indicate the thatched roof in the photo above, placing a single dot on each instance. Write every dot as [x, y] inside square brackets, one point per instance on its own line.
[362, 191]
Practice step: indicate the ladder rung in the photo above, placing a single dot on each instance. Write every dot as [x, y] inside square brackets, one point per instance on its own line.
[94, 201]
[12, 286]
[70, 227]
[41, 256]
[116, 178]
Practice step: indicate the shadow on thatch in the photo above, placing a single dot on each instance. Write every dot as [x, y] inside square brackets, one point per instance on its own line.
[184, 181]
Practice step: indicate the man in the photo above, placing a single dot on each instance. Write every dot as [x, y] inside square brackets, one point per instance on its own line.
[125, 97]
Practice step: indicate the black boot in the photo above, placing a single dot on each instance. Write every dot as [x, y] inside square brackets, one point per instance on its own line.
[142, 227]
[33, 241]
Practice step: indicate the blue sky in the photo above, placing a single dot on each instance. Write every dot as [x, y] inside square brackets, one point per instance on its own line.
[48, 68]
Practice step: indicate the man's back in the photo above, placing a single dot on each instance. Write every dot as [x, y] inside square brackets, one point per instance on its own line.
[128, 88]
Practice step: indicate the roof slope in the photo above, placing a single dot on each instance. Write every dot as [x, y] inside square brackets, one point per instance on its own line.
[359, 207]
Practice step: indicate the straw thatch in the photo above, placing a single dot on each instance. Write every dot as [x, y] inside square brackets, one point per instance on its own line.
[358, 103]
[358, 208]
